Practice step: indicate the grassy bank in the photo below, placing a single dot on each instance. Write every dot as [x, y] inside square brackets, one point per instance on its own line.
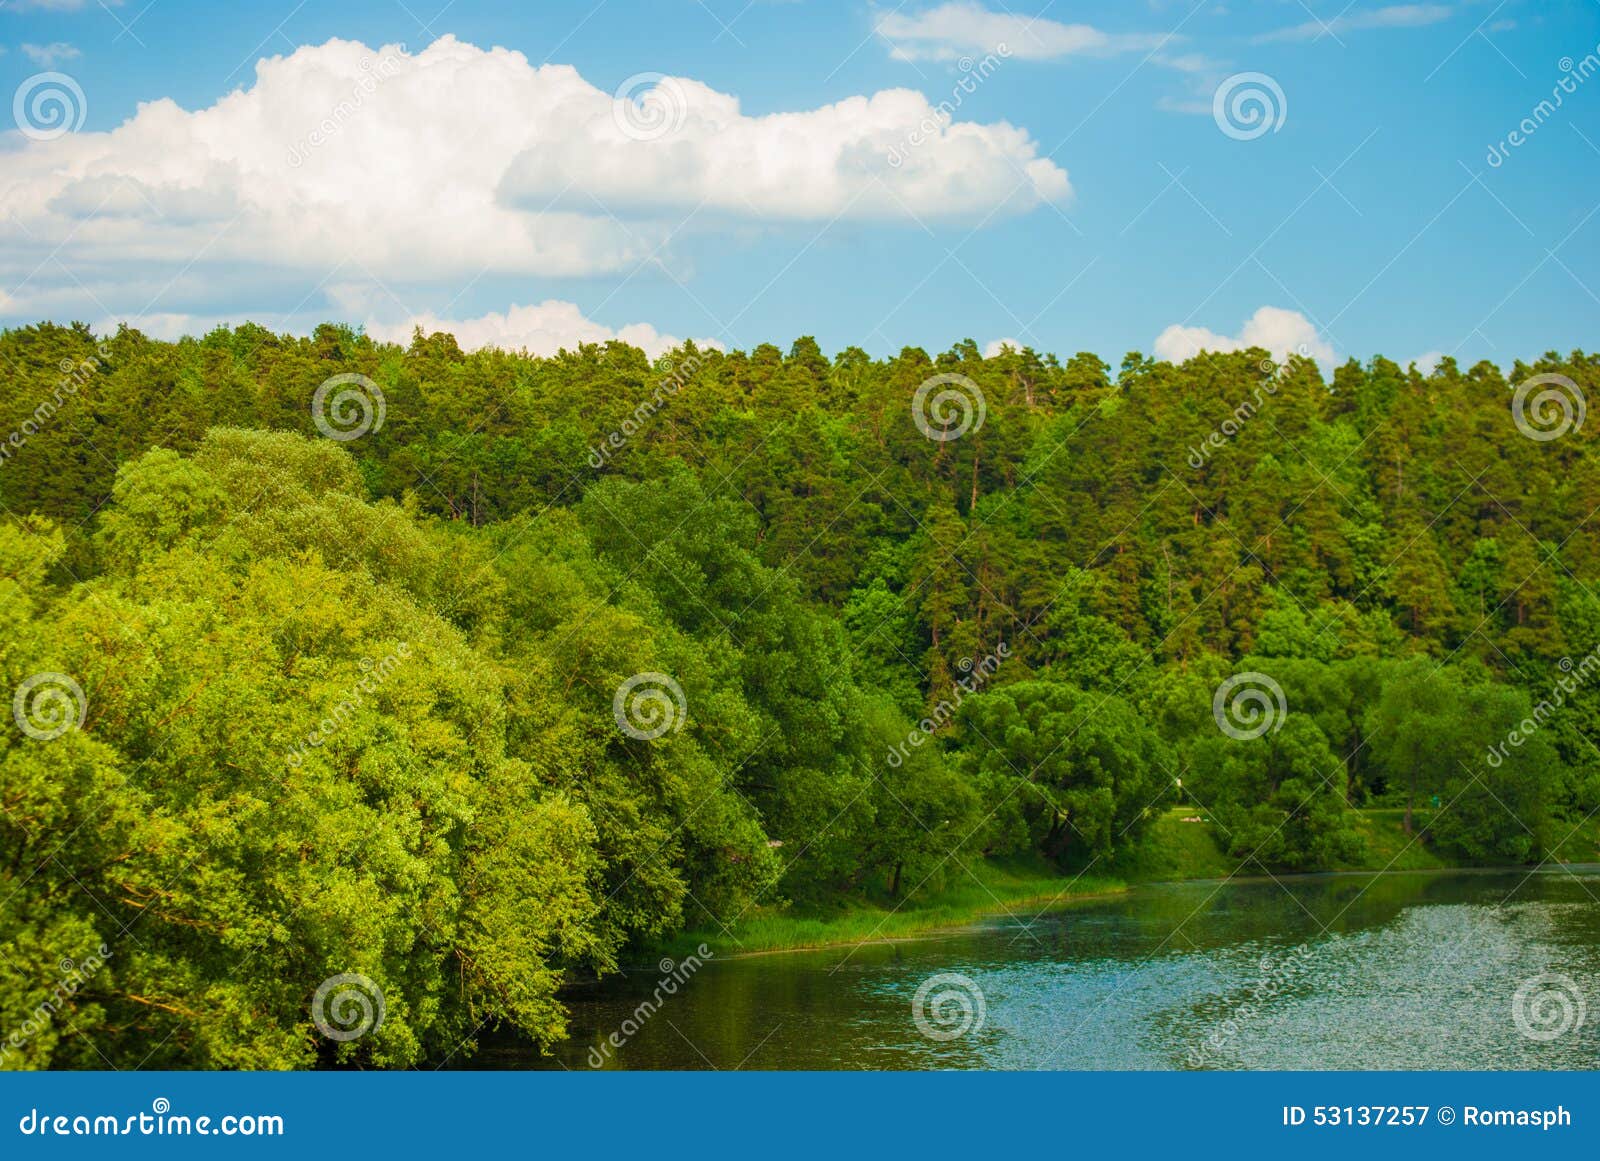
[1181, 845]
[991, 887]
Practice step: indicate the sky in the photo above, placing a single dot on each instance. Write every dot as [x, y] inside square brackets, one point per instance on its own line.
[1342, 179]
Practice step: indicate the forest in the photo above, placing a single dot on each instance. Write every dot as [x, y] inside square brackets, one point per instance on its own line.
[475, 672]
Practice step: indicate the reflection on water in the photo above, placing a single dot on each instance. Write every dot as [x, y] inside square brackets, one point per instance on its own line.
[1329, 971]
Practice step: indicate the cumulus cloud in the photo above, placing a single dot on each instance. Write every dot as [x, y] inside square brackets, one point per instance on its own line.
[1394, 16]
[49, 55]
[962, 29]
[455, 162]
[997, 346]
[1279, 332]
[1428, 362]
[542, 329]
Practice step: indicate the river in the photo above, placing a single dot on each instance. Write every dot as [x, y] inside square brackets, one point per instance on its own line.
[1468, 970]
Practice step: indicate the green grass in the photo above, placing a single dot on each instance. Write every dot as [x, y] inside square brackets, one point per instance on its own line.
[1390, 848]
[1580, 845]
[1174, 849]
[991, 887]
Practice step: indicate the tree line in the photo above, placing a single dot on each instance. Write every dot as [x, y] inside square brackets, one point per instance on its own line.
[467, 673]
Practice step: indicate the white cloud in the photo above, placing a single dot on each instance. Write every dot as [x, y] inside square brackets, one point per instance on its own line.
[49, 55]
[961, 29]
[542, 329]
[1428, 362]
[1202, 75]
[996, 346]
[1279, 332]
[1394, 16]
[170, 325]
[457, 162]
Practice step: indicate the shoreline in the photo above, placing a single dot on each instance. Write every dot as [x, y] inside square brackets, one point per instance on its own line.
[940, 926]
[1176, 852]
[919, 934]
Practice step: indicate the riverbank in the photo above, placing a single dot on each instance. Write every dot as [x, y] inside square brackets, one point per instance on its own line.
[1180, 846]
[981, 888]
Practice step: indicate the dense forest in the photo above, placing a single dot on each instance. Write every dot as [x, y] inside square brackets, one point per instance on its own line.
[470, 672]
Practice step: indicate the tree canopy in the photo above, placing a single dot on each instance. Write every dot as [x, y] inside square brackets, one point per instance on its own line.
[567, 654]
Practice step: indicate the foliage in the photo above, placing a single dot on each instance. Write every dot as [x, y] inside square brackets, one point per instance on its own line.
[349, 705]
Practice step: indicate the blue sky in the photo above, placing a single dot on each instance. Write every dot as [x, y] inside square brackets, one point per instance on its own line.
[1086, 197]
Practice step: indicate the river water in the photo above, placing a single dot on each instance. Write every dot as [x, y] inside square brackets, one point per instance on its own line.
[1459, 970]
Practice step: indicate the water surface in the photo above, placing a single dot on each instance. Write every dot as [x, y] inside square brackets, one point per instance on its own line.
[1352, 971]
